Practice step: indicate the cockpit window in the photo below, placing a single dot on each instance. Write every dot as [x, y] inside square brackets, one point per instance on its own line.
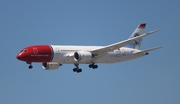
[24, 50]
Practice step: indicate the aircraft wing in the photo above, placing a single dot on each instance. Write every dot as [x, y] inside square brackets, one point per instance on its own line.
[97, 53]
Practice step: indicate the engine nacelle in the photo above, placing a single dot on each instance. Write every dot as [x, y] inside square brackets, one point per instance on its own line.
[50, 65]
[82, 56]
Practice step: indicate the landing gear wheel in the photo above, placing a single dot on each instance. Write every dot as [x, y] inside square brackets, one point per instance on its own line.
[93, 66]
[79, 70]
[90, 66]
[30, 66]
[74, 70]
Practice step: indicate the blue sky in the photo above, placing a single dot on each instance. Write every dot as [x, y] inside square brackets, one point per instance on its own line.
[154, 79]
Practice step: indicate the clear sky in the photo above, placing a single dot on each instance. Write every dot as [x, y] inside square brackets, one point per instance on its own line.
[153, 79]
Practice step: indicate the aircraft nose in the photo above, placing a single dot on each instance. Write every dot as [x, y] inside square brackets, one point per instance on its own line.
[19, 57]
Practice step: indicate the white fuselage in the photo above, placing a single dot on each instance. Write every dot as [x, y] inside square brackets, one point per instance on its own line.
[64, 54]
[53, 56]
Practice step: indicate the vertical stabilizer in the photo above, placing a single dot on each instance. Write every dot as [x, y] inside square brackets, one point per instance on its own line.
[138, 31]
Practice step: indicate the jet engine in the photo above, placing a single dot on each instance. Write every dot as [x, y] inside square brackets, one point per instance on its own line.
[50, 65]
[82, 56]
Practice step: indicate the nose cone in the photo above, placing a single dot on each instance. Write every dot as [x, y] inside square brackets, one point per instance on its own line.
[19, 56]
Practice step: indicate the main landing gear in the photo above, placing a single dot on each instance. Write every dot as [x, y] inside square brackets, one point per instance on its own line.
[77, 69]
[30, 65]
[93, 66]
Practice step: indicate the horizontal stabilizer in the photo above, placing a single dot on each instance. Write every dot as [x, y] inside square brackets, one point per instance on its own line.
[148, 50]
[151, 49]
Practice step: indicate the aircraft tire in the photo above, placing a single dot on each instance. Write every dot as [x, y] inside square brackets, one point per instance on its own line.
[30, 66]
[74, 70]
[95, 67]
[79, 70]
[90, 66]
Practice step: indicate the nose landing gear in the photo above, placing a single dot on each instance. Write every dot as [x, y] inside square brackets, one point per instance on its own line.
[30, 65]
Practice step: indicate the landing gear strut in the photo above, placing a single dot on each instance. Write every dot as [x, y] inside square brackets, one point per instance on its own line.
[77, 69]
[93, 66]
[30, 65]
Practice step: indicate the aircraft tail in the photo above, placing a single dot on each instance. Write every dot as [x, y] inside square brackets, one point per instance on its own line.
[137, 32]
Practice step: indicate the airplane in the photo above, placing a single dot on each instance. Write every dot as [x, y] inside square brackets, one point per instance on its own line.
[53, 56]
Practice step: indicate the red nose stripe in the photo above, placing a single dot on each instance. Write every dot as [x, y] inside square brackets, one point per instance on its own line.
[38, 53]
[42, 53]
